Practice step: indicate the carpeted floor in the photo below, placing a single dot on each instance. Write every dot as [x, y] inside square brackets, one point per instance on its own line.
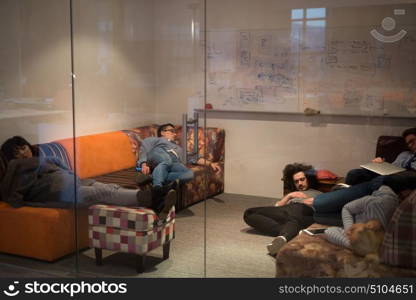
[212, 240]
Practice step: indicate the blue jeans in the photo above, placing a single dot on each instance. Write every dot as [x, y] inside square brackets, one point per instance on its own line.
[168, 168]
[333, 202]
[356, 176]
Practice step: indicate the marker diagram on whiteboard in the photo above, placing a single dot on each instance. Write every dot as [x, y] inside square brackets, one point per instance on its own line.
[254, 71]
[334, 70]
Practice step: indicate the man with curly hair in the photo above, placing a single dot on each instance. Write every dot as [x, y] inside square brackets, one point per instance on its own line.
[289, 215]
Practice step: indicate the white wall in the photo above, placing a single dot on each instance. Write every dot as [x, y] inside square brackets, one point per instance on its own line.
[258, 146]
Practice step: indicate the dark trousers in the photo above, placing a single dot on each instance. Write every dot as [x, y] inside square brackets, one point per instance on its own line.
[286, 220]
[357, 176]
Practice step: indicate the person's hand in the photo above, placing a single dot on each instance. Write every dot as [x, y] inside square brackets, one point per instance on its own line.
[279, 203]
[145, 169]
[297, 195]
[215, 166]
[378, 160]
[308, 201]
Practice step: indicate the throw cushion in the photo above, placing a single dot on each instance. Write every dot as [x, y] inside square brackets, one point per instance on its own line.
[399, 244]
[54, 150]
[325, 175]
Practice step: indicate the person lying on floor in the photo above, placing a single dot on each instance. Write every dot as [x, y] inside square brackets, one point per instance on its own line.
[31, 180]
[289, 215]
[379, 206]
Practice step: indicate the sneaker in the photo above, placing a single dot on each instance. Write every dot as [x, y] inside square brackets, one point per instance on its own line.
[144, 198]
[276, 244]
[169, 202]
[340, 186]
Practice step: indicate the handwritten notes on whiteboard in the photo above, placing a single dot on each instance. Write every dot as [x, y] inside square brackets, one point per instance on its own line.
[337, 71]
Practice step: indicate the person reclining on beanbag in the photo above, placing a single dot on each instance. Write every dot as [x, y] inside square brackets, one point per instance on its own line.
[379, 206]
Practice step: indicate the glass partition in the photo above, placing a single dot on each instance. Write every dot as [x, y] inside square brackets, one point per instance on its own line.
[255, 85]
[312, 82]
[138, 65]
[35, 104]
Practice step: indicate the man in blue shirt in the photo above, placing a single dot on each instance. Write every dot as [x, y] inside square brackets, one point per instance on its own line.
[329, 205]
[162, 155]
[406, 159]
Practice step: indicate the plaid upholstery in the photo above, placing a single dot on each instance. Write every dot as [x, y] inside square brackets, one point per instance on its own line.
[127, 229]
[54, 150]
[129, 218]
[399, 244]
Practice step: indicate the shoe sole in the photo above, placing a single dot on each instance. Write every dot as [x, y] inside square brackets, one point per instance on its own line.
[170, 201]
[275, 246]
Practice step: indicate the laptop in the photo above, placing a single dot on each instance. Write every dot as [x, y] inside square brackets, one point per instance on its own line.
[383, 168]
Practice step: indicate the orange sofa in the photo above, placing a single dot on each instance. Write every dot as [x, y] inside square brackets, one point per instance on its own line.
[50, 233]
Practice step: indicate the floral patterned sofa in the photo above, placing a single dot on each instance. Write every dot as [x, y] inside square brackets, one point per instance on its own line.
[313, 256]
[206, 182]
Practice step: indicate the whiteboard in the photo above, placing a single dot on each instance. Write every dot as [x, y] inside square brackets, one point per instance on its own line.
[343, 71]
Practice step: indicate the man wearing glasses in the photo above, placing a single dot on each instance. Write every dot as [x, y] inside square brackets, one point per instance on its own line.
[162, 155]
[406, 159]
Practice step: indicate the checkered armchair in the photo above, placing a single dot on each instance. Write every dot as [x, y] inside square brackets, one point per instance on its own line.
[129, 229]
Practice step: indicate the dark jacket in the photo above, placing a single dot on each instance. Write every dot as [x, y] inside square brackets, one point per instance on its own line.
[39, 182]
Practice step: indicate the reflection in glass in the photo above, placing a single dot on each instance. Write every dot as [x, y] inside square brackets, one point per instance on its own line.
[313, 13]
[297, 13]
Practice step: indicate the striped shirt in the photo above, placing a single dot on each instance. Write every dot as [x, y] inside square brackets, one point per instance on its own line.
[380, 205]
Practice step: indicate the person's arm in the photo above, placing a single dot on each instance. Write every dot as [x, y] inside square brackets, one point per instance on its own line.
[351, 209]
[57, 161]
[289, 196]
[337, 236]
[402, 159]
[146, 145]
[214, 165]
[383, 206]
[378, 160]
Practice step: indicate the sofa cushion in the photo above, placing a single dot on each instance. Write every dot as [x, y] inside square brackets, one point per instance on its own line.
[325, 175]
[399, 244]
[213, 144]
[192, 192]
[99, 154]
[136, 135]
[41, 233]
[125, 178]
[55, 150]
